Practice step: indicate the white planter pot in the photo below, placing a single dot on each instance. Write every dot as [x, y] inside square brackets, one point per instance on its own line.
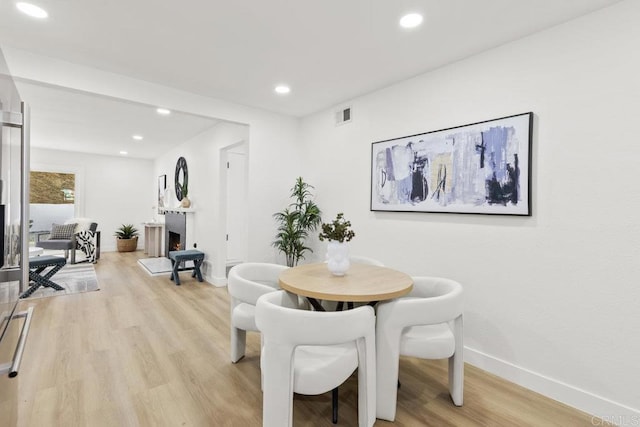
[338, 258]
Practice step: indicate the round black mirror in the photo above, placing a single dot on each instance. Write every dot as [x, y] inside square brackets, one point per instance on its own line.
[181, 178]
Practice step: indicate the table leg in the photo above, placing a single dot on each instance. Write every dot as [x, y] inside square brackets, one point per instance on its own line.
[315, 304]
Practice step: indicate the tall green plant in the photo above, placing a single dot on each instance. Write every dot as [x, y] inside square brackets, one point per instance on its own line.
[295, 222]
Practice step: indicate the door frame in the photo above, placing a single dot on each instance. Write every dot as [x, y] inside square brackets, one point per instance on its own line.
[221, 261]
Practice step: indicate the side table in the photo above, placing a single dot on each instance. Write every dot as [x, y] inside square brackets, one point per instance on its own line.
[153, 239]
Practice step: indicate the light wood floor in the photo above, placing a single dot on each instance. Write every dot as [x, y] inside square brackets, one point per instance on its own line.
[144, 352]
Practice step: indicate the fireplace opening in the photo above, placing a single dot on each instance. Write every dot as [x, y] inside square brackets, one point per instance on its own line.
[174, 241]
[175, 237]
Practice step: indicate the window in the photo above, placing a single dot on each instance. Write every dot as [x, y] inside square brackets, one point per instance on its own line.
[52, 197]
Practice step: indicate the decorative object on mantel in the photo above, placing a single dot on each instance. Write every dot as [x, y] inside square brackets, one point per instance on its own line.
[185, 202]
[295, 222]
[482, 168]
[127, 238]
[181, 181]
[162, 190]
[338, 234]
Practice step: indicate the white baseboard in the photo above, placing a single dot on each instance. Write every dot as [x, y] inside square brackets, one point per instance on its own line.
[207, 270]
[601, 408]
[218, 282]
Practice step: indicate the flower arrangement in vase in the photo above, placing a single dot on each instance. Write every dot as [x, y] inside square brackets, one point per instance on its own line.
[338, 233]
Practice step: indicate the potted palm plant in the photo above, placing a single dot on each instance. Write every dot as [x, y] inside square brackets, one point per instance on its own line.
[127, 238]
[295, 222]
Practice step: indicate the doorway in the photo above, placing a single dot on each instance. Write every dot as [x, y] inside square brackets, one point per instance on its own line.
[236, 203]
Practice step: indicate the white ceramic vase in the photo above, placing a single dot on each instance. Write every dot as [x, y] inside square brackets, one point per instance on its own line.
[337, 258]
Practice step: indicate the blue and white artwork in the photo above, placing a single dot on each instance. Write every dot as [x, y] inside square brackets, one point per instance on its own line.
[478, 168]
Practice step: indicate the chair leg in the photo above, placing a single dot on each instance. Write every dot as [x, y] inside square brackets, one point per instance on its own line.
[334, 405]
[238, 344]
[277, 398]
[175, 265]
[196, 269]
[387, 375]
[40, 279]
[456, 366]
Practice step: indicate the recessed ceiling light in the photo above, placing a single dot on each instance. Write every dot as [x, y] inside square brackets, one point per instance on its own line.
[163, 111]
[411, 20]
[32, 10]
[282, 89]
[138, 137]
[124, 153]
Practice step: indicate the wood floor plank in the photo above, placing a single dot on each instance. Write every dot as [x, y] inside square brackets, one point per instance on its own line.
[142, 351]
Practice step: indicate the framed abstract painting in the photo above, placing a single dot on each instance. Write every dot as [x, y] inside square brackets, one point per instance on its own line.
[480, 168]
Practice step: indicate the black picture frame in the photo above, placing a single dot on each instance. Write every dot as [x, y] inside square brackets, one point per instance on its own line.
[478, 168]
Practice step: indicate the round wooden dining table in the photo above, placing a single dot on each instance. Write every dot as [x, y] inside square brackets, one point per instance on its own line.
[361, 283]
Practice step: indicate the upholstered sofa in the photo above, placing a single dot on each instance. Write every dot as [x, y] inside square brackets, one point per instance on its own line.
[77, 233]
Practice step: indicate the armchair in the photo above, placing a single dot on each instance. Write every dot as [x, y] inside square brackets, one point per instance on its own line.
[75, 234]
[426, 324]
[247, 282]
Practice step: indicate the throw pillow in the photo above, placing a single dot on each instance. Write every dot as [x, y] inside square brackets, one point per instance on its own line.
[82, 224]
[62, 231]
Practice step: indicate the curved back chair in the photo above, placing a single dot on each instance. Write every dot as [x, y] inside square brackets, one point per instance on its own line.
[246, 283]
[426, 324]
[312, 352]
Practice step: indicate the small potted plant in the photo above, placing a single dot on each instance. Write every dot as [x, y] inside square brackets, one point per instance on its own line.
[127, 238]
[338, 233]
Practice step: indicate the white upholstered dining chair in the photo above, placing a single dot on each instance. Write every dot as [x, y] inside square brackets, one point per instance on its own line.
[312, 352]
[427, 324]
[246, 283]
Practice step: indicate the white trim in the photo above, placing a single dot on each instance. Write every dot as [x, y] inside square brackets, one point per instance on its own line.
[177, 210]
[220, 265]
[575, 397]
[218, 282]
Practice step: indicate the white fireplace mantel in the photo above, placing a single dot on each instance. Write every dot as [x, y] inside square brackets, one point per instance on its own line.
[178, 210]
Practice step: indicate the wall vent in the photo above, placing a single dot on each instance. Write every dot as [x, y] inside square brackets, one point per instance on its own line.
[343, 116]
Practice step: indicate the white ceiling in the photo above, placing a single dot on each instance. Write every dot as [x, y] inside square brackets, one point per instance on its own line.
[328, 51]
[77, 121]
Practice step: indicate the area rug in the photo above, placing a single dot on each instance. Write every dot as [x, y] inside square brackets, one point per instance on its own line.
[74, 278]
[156, 266]
[160, 266]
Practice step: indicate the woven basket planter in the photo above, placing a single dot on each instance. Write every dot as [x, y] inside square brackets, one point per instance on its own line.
[127, 245]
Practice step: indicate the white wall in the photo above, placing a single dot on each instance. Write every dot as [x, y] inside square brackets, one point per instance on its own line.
[271, 160]
[561, 313]
[202, 154]
[111, 190]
